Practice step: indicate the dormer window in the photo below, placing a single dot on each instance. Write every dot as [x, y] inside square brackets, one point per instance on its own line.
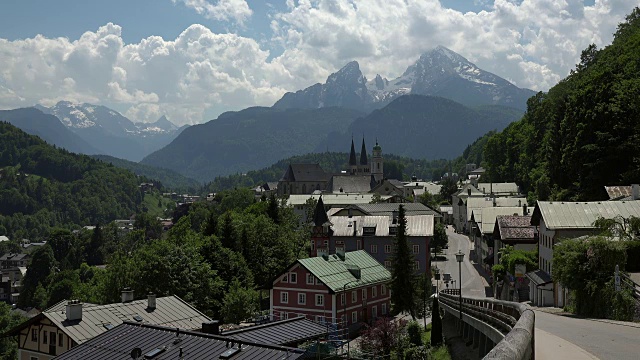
[369, 231]
[393, 230]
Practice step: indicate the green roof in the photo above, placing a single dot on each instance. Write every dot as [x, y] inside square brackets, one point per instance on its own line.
[334, 272]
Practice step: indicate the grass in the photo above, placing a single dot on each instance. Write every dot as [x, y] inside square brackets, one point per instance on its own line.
[155, 203]
[438, 353]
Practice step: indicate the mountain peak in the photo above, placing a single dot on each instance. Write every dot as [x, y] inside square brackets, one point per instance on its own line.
[349, 73]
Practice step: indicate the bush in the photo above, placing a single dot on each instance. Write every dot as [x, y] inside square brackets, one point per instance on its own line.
[633, 256]
[415, 333]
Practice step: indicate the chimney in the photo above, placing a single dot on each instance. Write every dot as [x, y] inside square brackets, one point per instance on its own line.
[74, 310]
[127, 295]
[469, 192]
[340, 253]
[635, 191]
[151, 301]
[524, 210]
[211, 327]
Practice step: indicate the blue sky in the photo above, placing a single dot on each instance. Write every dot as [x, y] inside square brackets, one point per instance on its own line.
[219, 55]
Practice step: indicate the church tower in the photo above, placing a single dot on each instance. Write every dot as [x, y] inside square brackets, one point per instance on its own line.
[353, 164]
[363, 168]
[377, 168]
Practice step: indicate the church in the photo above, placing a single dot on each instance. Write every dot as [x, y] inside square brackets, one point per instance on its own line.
[360, 177]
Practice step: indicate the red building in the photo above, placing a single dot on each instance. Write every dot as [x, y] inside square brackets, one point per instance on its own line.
[324, 288]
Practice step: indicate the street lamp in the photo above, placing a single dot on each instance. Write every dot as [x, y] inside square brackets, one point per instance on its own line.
[459, 258]
[437, 274]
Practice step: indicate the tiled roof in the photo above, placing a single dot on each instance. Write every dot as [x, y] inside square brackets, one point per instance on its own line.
[539, 277]
[305, 172]
[334, 272]
[617, 192]
[417, 225]
[581, 215]
[117, 344]
[489, 216]
[170, 311]
[282, 332]
[514, 228]
[350, 184]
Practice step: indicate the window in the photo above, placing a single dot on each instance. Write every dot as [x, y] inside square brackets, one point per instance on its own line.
[44, 337]
[342, 298]
[416, 266]
[320, 319]
[364, 294]
[374, 291]
[309, 279]
[384, 290]
[416, 249]
[285, 278]
[34, 334]
[384, 309]
[387, 264]
[302, 299]
[387, 249]
[313, 245]
[293, 278]
[354, 317]
[354, 296]
[60, 342]
[374, 249]
[53, 338]
[284, 297]
[319, 300]
[374, 312]
[285, 316]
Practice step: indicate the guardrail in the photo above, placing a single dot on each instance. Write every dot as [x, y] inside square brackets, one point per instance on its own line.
[507, 324]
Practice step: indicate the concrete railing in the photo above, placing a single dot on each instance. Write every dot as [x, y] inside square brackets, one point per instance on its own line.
[487, 321]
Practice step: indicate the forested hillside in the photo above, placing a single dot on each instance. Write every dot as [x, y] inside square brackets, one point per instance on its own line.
[42, 186]
[395, 167]
[168, 178]
[584, 133]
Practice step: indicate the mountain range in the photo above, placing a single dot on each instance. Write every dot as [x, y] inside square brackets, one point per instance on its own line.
[439, 72]
[111, 133]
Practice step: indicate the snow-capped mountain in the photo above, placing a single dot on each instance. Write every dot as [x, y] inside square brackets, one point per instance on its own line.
[111, 132]
[439, 72]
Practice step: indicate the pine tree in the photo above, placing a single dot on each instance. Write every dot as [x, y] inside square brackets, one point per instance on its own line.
[272, 211]
[403, 291]
[436, 324]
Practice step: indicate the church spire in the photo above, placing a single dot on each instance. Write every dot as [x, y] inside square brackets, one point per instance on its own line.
[352, 157]
[363, 154]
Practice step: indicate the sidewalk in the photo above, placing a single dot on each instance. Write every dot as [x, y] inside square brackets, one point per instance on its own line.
[552, 347]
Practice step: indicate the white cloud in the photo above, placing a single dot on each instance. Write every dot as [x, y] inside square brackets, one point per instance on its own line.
[222, 10]
[200, 74]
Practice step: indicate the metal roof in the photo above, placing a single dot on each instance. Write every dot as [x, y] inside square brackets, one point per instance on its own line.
[334, 272]
[170, 311]
[464, 192]
[487, 202]
[283, 332]
[305, 172]
[333, 199]
[489, 216]
[117, 344]
[539, 277]
[388, 209]
[581, 215]
[498, 188]
[417, 225]
[350, 184]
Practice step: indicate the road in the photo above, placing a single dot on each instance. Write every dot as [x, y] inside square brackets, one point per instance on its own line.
[473, 284]
[557, 336]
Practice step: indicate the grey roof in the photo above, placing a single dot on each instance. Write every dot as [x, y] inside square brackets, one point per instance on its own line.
[486, 202]
[350, 184]
[489, 216]
[388, 209]
[305, 172]
[13, 257]
[514, 229]
[539, 277]
[170, 311]
[333, 199]
[117, 344]
[498, 188]
[283, 332]
[334, 272]
[464, 192]
[581, 215]
[417, 225]
[618, 192]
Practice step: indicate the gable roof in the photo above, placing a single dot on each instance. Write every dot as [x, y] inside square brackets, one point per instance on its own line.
[417, 225]
[464, 192]
[512, 229]
[170, 311]
[498, 188]
[343, 199]
[388, 209]
[117, 344]
[334, 272]
[581, 215]
[489, 216]
[305, 172]
[349, 184]
[281, 332]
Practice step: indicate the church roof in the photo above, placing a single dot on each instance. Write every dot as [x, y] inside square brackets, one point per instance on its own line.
[352, 156]
[350, 184]
[319, 214]
[363, 154]
[304, 172]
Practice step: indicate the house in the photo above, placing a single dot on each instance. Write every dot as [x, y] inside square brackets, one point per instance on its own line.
[417, 188]
[390, 187]
[302, 179]
[13, 260]
[12, 284]
[330, 201]
[387, 209]
[326, 288]
[292, 332]
[68, 324]
[625, 193]
[499, 189]
[373, 233]
[482, 224]
[459, 204]
[518, 232]
[476, 203]
[151, 341]
[554, 221]
[447, 214]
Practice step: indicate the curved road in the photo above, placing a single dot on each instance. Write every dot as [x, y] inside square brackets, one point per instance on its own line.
[557, 336]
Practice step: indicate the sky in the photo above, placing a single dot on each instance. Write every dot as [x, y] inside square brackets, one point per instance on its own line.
[191, 60]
